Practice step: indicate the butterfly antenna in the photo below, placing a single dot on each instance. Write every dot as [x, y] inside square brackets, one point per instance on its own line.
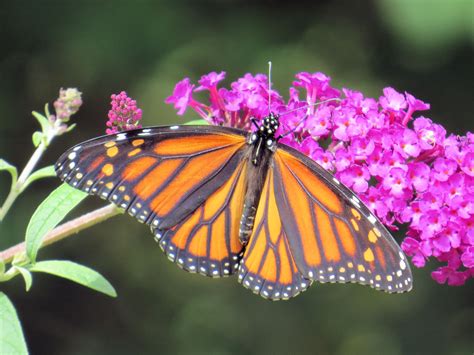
[269, 85]
[305, 116]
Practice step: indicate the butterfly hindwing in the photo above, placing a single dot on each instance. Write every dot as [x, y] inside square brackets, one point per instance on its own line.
[268, 267]
[174, 179]
[207, 240]
[332, 234]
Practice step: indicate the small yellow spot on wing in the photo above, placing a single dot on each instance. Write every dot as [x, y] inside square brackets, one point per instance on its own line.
[378, 278]
[89, 182]
[361, 268]
[112, 151]
[78, 175]
[121, 188]
[368, 255]
[108, 169]
[109, 144]
[134, 152]
[389, 278]
[109, 185]
[126, 198]
[350, 265]
[355, 225]
[341, 269]
[372, 237]
[355, 213]
[137, 142]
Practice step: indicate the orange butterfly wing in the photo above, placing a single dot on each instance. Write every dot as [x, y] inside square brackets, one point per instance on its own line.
[207, 241]
[333, 236]
[309, 227]
[186, 183]
[268, 267]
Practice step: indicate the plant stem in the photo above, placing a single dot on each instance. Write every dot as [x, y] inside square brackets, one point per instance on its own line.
[66, 230]
[17, 188]
[19, 185]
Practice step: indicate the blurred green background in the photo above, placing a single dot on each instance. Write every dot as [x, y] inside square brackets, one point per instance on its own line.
[145, 47]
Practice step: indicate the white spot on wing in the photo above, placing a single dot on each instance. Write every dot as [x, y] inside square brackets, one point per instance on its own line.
[403, 265]
[355, 201]
[372, 219]
[174, 127]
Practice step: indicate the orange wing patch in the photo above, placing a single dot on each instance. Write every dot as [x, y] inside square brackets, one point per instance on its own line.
[332, 235]
[207, 241]
[268, 266]
[191, 145]
[188, 177]
[313, 184]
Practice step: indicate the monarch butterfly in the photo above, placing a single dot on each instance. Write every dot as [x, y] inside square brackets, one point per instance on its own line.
[222, 201]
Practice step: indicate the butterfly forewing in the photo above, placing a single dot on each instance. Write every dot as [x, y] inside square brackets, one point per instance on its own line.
[333, 235]
[187, 184]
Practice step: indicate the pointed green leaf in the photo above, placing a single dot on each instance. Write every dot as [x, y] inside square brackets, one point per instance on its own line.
[37, 137]
[47, 171]
[46, 110]
[197, 123]
[12, 340]
[2, 267]
[77, 273]
[26, 276]
[48, 214]
[4, 165]
[43, 121]
[71, 127]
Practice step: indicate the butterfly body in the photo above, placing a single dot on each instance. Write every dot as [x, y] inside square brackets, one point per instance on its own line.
[261, 147]
[222, 201]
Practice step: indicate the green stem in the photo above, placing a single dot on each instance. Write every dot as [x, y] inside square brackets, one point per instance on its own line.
[19, 185]
[66, 230]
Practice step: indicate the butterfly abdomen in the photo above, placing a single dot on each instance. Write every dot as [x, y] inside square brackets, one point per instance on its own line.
[256, 175]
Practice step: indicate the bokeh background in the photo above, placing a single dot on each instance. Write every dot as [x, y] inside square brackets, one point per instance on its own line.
[145, 47]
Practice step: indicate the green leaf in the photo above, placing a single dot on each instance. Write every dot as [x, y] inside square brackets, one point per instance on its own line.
[46, 110]
[71, 127]
[48, 214]
[77, 273]
[43, 121]
[4, 165]
[197, 123]
[2, 267]
[37, 137]
[26, 276]
[47, 171]
[12, 340]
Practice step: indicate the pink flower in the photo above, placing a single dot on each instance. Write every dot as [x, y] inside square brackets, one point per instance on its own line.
[124, 114]
[402, 165]
[182, 96]
[392, 100]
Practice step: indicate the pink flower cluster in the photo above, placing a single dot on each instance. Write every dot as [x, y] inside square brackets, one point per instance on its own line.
[403, 165]
[124, 114]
